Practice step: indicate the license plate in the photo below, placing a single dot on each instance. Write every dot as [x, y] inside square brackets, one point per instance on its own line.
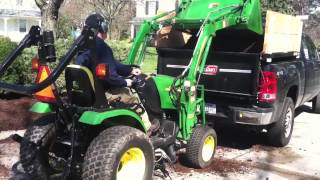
[211, 108]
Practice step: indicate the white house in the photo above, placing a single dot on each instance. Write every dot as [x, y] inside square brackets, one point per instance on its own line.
[16, 18]
[149, 8]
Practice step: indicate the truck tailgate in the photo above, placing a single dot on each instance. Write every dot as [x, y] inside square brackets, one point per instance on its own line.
[237, 73]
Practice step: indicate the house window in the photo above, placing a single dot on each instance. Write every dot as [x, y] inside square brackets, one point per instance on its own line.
[19, 2]
[152, 7]
[22, 25]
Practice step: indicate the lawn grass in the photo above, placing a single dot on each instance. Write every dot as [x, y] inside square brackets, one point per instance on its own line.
[150, 61]
[121, 52]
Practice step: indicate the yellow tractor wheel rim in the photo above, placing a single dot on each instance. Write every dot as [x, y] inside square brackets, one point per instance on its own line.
[208, 148]
[132, 165]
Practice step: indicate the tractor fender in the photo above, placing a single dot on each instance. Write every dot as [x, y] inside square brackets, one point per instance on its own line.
[42, 108]
[113, 118]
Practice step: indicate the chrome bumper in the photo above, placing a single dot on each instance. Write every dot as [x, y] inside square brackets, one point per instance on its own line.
[243, 116]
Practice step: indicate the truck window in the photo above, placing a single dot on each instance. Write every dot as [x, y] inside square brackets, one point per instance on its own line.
[312, 50]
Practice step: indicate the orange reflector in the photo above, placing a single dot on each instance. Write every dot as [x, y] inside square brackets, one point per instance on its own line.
[45, 95]
[35, 64]
[101, 71]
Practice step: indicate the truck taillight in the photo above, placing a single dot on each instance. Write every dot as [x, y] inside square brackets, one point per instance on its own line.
[268, 87]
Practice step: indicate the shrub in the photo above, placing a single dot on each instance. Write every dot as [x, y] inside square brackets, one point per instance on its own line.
[62, 47]
[19, 72]
[120, 49]
[64, 26]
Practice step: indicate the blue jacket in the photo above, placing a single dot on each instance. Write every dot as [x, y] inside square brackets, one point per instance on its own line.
[104, 54]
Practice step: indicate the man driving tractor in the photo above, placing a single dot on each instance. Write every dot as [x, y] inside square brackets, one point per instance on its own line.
[118, 72]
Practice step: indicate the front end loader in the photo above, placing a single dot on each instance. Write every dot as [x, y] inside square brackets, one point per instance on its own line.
[83, 136]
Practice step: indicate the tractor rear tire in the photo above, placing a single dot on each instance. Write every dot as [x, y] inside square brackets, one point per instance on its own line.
[201, 147]
[279, 133]
[119, 152]
[34, 162]
[316, 104]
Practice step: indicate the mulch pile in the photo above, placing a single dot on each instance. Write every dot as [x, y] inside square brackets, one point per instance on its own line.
[4, 172]
[219, 166]
[15, 114]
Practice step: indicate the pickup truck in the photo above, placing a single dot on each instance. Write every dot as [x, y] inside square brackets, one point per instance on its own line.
[245, 87]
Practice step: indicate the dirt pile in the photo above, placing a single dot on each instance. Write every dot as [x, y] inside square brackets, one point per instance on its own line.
[219, 166]
[9, 154]
[4, 172]
[15, 114]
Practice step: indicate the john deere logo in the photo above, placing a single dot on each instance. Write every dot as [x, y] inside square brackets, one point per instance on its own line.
[211, 70]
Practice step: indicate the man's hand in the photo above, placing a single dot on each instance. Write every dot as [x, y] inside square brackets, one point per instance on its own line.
[136, 71]
[129, 82]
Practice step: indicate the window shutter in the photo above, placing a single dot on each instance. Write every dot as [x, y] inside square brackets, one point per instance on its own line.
[157, 6]
[147, 7]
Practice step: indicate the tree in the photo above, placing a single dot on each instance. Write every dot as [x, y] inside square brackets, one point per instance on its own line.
[312, 25]
[282, 6]
[298, 7]
[74, 11]
[110, 9]
[49, 13]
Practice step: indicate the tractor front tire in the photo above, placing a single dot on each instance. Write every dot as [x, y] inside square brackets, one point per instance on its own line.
[201, 147]
[119, 152]
[34, 162]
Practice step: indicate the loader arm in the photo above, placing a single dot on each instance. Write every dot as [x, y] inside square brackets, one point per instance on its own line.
[147, 27]
[209, 16]
[239, 15]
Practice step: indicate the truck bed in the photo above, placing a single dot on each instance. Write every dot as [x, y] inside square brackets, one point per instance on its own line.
[237, 73]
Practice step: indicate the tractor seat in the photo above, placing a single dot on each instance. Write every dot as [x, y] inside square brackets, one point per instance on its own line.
[82, 87]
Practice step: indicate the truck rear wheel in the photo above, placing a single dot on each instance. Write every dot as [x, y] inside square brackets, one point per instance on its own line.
[35, 162]
[120, 153]
[201, 147]
[316, 104]
[279, 134]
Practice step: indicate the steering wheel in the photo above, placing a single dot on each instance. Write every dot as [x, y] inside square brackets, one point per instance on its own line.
[138, 82]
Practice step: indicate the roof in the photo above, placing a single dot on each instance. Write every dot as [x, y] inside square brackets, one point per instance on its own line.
[26, 13]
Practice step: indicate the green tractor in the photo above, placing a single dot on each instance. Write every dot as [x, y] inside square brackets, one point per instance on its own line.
[83, 136]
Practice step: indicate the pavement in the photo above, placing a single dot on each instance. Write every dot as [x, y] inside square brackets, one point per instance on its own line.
[241, 154]
[300, 158]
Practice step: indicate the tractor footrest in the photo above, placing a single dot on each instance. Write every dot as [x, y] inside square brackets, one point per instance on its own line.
[17, 138]
[162, 143]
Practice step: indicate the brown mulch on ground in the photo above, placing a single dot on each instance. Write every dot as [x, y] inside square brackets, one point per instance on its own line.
[4, 172]
[219, 166]
[15, 114]
[6, 141]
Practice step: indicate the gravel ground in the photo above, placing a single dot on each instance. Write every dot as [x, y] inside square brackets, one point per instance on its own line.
[9, 154]
[221, 169]
[237, 157]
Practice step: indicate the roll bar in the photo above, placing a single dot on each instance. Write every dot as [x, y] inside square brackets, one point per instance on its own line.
[87, 36]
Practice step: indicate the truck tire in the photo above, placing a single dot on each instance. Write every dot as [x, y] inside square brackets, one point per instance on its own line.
[120, 153]
[279, 134]
[201, 147]
[316, 104]
[34, 163]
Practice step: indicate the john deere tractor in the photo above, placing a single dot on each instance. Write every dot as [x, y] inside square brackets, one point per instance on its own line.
[83, 136]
